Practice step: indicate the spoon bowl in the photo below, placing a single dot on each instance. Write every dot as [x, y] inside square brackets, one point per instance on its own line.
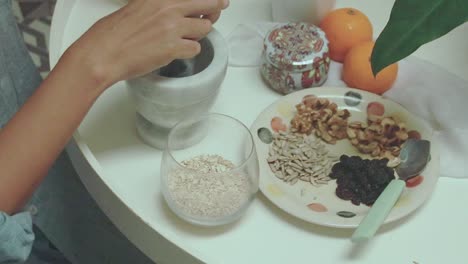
[414, 157]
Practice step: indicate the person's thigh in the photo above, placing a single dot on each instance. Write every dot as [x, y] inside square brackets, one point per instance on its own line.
[75, 224]
[44, 252]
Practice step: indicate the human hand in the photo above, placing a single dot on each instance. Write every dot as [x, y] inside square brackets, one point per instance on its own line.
[144, 35]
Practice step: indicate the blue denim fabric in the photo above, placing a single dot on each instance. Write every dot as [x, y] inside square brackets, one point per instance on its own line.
[63, 212]
[16, 237]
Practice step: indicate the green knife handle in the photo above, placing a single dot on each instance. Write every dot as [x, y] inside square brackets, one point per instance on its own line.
[379, 211]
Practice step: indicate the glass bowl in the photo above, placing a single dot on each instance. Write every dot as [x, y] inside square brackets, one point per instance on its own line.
[209, 170]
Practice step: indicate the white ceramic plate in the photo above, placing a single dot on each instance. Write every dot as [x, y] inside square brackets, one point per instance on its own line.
[320, 205]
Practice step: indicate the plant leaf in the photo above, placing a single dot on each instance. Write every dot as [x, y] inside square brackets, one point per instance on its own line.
[414, 23]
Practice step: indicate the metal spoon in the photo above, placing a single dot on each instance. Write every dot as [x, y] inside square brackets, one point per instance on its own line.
[414, 157]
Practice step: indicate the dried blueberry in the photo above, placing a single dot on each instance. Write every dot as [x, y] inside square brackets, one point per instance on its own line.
[361, 180]
[338, 170]
[344, 158]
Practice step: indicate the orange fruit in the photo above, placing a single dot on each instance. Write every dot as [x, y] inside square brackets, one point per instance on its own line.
[344, 28]
[357, 72]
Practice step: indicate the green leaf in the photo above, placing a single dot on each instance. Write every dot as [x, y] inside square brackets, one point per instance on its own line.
[414, 23]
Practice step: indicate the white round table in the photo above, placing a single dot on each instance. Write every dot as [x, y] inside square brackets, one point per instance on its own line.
[122, 174]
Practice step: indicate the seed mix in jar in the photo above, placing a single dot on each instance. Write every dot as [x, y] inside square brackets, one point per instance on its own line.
[207, 187]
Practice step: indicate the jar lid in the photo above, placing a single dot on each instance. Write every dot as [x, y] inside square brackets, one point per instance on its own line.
[296, 46]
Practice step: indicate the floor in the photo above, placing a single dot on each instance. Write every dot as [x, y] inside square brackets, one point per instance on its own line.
[34, 19]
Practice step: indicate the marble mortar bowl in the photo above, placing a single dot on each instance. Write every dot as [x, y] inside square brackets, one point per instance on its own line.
[183, 89]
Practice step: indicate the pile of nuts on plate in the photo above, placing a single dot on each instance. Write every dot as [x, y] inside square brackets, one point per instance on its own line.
[298, 154]
[321, 117]
[379, 137]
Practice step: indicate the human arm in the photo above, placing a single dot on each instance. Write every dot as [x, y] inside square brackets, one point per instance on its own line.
[134, 40]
